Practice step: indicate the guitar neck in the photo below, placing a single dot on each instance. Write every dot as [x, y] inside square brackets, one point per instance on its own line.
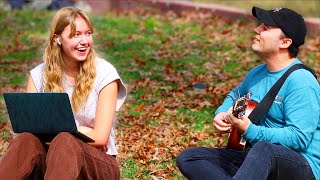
[242, 107]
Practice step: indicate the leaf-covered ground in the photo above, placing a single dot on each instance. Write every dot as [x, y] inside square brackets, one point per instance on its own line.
[163, 58]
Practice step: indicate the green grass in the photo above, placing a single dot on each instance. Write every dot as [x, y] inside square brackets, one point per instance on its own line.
[159, 57]
[307, 8]
[130, 168]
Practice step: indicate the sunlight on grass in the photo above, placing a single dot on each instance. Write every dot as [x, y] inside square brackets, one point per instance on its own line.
[197, 119]
[308, 8]
[21, 55]
[129, 168]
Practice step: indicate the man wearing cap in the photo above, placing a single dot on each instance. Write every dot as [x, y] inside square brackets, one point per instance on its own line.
[286, 143]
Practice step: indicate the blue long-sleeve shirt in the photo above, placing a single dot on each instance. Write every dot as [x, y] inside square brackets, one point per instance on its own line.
[293, 119]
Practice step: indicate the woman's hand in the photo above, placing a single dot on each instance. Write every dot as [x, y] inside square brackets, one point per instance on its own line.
[84, 129]
[221, 123]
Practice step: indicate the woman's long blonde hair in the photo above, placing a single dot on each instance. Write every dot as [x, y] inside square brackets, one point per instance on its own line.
[55, 65]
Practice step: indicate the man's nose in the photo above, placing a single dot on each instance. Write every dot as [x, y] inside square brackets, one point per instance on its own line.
[258, 29]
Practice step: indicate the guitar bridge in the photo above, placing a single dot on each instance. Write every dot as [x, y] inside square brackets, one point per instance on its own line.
[242, 141]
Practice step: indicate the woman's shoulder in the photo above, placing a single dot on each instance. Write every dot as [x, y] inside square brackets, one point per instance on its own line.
[107, 73]
[104, 69]
[37, 71]
[103, 65]
[38, 68]
[36, 74]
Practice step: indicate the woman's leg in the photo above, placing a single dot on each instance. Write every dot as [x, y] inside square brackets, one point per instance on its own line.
[71, 158]
[25, 158]
[271, 161]
[210, 163]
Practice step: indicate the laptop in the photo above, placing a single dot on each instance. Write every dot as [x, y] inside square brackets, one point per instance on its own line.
[42, 114]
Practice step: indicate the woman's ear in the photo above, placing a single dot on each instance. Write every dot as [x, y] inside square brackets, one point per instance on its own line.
[56, 39]
[285, 43]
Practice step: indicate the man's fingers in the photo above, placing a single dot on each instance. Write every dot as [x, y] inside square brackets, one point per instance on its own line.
[222, 129]
[222, 124]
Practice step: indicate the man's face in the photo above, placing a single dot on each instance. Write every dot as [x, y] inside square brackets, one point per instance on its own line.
[267, 39]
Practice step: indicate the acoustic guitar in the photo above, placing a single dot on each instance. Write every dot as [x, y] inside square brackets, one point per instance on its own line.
[242, 106]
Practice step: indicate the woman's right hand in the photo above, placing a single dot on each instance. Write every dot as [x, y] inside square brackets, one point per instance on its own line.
[84, 129]
[221, 123]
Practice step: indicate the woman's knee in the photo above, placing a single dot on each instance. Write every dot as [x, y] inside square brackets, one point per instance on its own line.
[64, 138]
[28, 141]
[64, 141]
[26, 137]
[25, 154]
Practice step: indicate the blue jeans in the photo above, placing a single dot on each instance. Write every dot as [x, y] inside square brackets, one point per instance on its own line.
[263, 161]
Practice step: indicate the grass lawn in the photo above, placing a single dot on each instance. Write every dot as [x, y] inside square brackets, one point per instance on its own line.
[160, 57]
[307, 8]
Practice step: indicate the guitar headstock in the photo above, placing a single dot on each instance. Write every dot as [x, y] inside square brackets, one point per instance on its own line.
[240, 105]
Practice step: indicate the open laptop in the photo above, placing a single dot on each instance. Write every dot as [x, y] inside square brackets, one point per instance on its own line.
[42, 114]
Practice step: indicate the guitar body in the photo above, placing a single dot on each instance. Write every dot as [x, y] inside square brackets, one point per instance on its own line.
[236, 141]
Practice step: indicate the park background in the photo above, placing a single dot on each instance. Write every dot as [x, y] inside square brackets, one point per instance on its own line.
[178, 67]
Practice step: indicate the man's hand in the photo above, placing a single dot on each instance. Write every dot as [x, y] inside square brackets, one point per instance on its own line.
[221, 123]
[241, 124]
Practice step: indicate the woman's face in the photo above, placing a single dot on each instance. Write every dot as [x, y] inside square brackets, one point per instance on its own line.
[76, 48]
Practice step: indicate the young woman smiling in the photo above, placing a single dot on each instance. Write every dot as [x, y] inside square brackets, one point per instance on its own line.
[96, 92]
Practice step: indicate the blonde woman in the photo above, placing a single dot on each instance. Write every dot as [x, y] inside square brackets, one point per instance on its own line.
[96, 92]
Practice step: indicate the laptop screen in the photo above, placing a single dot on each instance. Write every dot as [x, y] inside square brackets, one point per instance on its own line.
[40, 113]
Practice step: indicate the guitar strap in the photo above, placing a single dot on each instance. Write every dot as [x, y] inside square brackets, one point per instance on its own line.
[266, 102]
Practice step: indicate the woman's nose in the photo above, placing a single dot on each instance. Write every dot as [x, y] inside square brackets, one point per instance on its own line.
[83, 40]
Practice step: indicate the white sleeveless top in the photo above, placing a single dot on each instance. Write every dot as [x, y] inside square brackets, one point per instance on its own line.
[105, 74]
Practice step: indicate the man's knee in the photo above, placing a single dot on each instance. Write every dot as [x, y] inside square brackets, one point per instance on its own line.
[185, 155]
[262, 145]
[189, 155]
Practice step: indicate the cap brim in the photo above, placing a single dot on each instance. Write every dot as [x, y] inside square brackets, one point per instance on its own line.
[264, 16]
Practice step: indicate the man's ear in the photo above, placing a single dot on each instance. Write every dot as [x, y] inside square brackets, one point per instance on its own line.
[285, 43]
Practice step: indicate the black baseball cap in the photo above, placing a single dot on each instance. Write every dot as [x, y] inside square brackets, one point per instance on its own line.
[289, 21]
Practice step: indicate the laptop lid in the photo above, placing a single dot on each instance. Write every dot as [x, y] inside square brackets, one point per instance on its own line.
[41, 113]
